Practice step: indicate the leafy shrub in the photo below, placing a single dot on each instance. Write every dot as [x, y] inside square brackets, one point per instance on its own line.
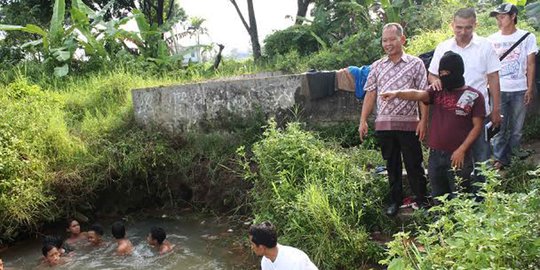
[427, 41]
[290, 62]
[359, 49]
[33, 140]
[295, 38]
[67, 141]
[531, 129]
[346, 134]
[320, 197]
[499, 233]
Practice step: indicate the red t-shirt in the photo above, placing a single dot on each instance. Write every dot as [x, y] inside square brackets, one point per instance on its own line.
[451, 117]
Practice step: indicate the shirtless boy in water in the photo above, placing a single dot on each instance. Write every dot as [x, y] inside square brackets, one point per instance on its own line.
[74, 229]
[156, 238]
[119, 233]
[95, 235]
[51, 255]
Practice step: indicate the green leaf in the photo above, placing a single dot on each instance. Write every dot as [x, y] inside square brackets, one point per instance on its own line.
[319, 40]
[34, 29]
[79, 18]
[80, 5]
[7, 27]
[32, 43]
[396, 264]
[519, 3]
[62, 55]
[61, 71]
[57, 21]
[141, 21]
[95, 47]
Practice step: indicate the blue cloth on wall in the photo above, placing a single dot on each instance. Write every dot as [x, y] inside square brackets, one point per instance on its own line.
[360, 75]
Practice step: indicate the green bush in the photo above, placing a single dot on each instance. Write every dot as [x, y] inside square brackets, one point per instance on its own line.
[297, 38]
[290, 62]
[320, 197]
[499, 233]
[33, 140]
[65, 141]
[359, 49]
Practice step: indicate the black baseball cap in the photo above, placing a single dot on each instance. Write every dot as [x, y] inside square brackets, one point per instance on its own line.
[505, 8]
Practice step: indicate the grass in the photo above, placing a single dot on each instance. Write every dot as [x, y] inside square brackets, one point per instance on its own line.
[67, 140]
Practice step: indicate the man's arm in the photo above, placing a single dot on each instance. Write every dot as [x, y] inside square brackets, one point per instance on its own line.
[409, 94]
[495, 93]
[458, 156]
[531, 69]
[422, 125]
[367, 108]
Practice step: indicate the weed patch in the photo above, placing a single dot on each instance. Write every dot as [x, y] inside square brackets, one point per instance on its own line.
[319, 196]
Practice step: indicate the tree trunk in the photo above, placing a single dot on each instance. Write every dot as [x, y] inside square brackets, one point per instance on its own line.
[171, 8]
[253, 33]
[159, 12]
[302, 10]
[251, 28]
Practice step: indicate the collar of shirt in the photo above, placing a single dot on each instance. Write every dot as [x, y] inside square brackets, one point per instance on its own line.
[404, 57]
[474, 41]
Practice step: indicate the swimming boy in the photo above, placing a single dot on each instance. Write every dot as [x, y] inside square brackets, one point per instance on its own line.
[119, 233]
[156, 238]
[57, 241]
[51, 255]
[95, 235]
[74, 229]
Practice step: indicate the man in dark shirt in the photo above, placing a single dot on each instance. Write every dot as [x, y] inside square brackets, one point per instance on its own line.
[457, 116]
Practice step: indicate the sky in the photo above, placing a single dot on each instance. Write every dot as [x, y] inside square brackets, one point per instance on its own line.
[225, 27]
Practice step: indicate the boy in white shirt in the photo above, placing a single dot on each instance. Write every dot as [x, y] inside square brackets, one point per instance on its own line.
[516, 80]
[263, 238]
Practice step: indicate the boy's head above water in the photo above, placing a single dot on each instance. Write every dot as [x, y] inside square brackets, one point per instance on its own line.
[94, 234]
[1, 264]
[118, 230]
[51, 254]
[54, 240]
[156, 236]
[73, 226]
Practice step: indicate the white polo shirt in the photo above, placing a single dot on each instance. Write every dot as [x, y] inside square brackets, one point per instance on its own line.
[479, 59]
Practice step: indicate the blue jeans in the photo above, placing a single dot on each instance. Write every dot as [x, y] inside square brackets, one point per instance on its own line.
[442, 178]
[509, 138]
[481, 149]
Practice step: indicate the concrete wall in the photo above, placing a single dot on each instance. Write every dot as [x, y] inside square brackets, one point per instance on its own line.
[184, 107]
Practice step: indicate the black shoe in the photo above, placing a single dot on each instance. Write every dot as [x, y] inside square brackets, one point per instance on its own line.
[392, 209]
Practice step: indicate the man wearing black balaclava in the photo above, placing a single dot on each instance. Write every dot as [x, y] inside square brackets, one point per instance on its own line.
[457, 116]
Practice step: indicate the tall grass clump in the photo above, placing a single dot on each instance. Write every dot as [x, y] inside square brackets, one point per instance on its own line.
[499, 233]
[33, 141]
[321, 199]
[70, 147]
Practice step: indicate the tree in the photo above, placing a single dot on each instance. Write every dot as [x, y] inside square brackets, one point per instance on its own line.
[161, 11]
[302, 10]
[251, 27]
[196, 29]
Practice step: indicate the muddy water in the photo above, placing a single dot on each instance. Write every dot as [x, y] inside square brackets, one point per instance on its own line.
[200, 244]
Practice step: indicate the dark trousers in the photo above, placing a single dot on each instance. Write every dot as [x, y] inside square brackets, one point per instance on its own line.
[441, 176]
[393, 145]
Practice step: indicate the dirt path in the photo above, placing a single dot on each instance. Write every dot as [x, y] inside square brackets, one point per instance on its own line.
[535, 156]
